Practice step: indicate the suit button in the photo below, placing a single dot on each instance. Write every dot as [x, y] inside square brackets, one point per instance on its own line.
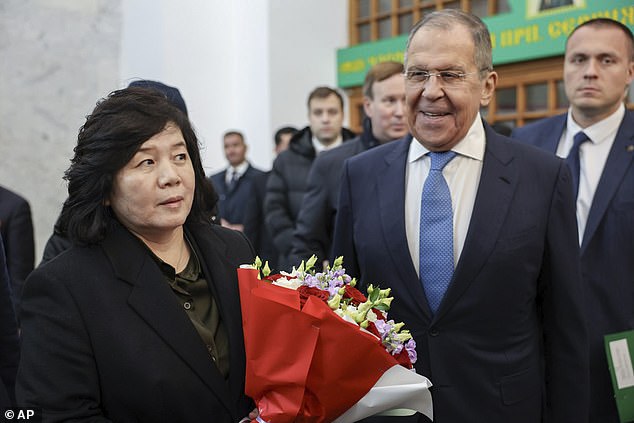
[433, 332]
[187, 305]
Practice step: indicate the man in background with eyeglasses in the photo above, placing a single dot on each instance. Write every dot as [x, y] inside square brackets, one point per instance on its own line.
[596, 137]
[384, 107]
[476, 236]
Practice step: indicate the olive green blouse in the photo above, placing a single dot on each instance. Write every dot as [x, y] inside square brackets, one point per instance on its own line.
[194, 295]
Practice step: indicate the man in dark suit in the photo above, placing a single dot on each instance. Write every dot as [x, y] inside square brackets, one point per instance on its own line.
[598, 68]
[16, 227]
[384, 106]
[234, 184]
[481, 256]
[9, 341]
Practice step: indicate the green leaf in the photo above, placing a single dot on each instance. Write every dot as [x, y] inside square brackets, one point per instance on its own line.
[258, 262]
[338, 263]
[311, 263]
[374, 295]
[382, 307]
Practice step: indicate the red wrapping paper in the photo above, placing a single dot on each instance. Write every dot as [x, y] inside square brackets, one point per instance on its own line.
[305, 365]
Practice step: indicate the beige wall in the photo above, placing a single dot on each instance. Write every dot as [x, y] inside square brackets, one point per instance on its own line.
[56, 58]
[239, 64]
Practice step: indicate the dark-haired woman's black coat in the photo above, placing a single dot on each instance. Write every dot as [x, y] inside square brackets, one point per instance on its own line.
[105, 339]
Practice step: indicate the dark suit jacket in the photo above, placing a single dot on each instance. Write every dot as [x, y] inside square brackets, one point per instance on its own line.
[9, 341]
[231, 202]
[509, 332]
[607, 251]
[16, 227]
[104, 337]
[255, 227]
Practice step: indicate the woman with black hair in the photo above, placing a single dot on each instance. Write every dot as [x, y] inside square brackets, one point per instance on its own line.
[140, 319]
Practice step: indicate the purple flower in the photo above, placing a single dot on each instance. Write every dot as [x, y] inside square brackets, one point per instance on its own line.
[383, 327]
[410, 346]
[312, 281]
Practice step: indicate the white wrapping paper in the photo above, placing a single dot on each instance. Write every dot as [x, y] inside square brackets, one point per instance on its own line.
[399, 392]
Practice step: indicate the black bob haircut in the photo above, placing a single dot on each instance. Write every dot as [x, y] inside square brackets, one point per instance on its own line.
[112, 134]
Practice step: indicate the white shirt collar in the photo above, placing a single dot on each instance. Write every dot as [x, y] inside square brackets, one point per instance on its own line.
[319, 147]
[239, 170]
[600, 131]
[472, 145]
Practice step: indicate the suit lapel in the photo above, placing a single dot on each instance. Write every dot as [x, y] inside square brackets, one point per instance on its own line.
[152, 298]
[226, 296]
[391, 200]
[549, 138]
[495, 192]
[616, 166]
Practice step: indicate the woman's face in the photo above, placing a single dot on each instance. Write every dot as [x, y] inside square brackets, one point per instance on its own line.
[153, 193]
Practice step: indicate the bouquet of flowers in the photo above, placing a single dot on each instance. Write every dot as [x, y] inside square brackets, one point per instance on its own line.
[319, 350]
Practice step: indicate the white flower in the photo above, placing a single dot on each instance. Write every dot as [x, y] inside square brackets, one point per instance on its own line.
[346, 315]
[293, 283]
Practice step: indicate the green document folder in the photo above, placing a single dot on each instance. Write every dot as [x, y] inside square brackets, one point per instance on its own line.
[619, 348]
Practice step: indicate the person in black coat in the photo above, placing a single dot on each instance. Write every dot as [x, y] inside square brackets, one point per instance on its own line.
[9, 341]
[140, 319]
[234, 184]
[384, 106]
[16, 228]
[255, 227]
[287, 182]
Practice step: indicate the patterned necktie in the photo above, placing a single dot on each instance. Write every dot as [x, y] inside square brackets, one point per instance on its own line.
[436, 231]
[573, 159]
[233, 180]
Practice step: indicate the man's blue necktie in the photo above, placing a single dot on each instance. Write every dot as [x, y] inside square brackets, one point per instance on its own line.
[436, 231]
[573, 159]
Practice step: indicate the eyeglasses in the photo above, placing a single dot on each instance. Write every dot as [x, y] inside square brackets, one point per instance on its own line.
[448, 78]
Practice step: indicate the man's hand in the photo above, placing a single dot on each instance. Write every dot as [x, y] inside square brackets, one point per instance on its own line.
[252, 416]
[234, 226]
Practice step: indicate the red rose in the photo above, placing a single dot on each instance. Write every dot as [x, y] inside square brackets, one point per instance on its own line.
[373, 330]
[354, 294]
[381, 315]
[311, 291]
[274, 277]
[403, 359]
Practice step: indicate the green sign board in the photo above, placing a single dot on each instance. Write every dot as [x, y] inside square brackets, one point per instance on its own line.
[525, 33]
